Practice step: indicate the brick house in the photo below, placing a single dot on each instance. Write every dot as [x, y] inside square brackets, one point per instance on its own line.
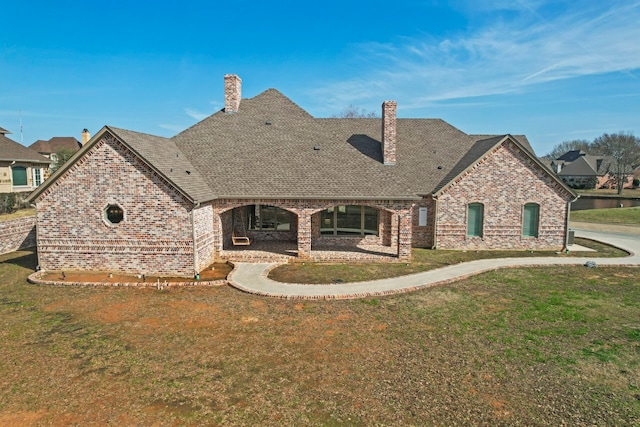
[56, 145]
[265, 178]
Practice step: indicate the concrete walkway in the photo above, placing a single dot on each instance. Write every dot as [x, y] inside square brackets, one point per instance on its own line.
[252, 278]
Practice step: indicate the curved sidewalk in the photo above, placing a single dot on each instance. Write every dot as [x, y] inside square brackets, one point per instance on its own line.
[252, 278]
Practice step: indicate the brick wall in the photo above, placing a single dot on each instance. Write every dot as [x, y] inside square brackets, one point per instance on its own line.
[504, 182]
[204, 236]
[423, 235]
[156, 234]
[17, 234]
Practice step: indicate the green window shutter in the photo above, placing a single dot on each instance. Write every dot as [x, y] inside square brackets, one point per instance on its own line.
[530, 220]
[19, 174]
[475, 218]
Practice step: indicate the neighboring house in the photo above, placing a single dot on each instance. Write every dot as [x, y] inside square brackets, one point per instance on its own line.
[57, 144]
[264, 174]
[21, 169]
[578, 169]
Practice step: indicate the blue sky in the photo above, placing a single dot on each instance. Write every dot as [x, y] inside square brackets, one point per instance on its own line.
[553, 70]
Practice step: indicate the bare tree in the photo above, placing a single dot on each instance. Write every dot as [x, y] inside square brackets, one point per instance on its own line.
[353, 112]
[563, 147]
[624, 149]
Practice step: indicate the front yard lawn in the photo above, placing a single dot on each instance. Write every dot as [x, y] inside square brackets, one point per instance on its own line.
[530, 346]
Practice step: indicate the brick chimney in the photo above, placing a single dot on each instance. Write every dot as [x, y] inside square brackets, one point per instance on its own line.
[86, 136]
[232, 93]
[389, 132]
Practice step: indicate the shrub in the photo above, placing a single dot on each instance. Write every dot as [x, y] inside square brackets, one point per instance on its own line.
[7, 202]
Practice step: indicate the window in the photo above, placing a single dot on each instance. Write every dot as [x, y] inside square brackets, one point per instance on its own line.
[114, 214]
[530, 220]
[19, 175]
[264, 217]
[475, 218]
[349, 221]
[37, 177]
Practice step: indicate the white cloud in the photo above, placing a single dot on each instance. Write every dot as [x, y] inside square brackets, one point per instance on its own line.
[198, 115]
[539, 44]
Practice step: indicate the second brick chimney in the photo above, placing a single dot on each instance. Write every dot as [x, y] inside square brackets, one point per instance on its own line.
[232, 93]
[389, 132]
[86, 136]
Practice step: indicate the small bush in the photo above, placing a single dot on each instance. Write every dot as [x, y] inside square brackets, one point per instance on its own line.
[11, 202]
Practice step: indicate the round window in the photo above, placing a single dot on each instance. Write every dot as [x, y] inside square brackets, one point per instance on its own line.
[114, 214]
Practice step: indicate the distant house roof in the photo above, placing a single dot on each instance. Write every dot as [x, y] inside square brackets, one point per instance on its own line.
[571, 155]
[55, 144]
[271, 148]
[579, 163]
[12, 151]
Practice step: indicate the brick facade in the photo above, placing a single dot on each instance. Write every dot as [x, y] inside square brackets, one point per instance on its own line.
[164, 233]
[504, 181]
[156, 235]
[17, 234]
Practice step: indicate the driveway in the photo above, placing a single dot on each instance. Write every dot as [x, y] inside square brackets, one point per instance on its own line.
[252, 277]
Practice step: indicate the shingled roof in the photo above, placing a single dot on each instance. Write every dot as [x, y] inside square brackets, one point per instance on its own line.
[12, 151]
[269, 147]
[55, 144]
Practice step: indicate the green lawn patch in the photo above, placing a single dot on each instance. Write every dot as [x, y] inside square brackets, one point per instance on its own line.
[627, 192]
[529, 346]
[422, 260]
[629, 216]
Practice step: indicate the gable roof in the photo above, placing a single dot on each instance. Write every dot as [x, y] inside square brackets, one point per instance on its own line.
[484, 146]
[12, 151]
[165, 157]
[271, 148]
[55, 144]
[578, 167]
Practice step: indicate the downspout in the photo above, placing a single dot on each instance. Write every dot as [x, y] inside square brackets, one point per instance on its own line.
[195, 248]
[566, 227]
[435, 221]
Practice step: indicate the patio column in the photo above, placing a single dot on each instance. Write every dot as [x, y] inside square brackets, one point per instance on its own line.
[395, 220]
[218, 237]
[304, 235]
[405, 234]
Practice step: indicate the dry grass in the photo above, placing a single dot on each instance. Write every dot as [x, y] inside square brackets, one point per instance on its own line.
[18, 214]
[553, 346]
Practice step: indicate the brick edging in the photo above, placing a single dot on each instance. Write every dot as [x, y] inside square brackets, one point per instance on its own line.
[36, 280]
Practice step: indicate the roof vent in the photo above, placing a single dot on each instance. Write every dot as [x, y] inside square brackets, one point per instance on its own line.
[439, 167]
[188, 172]
[316, 147]
[268, 122]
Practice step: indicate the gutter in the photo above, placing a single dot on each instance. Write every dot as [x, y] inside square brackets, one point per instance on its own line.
[195, 247]
[566, 227]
